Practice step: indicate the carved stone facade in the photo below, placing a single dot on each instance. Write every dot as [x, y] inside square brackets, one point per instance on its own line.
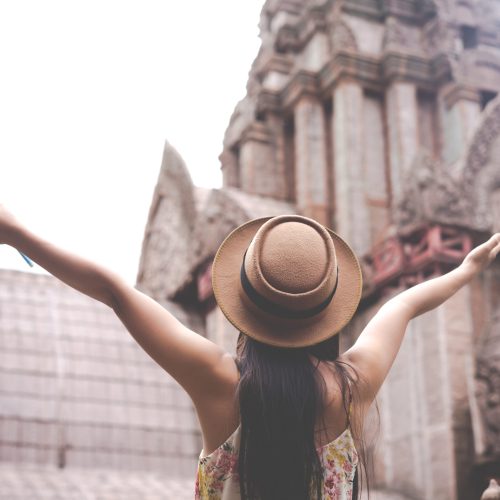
[379, 119]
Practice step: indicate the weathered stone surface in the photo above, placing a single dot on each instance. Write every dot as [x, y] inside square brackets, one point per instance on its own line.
[402, 124]
[168, 229]
[352, 218]
[311, 169]
[432, 193]
[223, 211]
[77, 391]
[465, 195]
[20, 482]
[488, 369]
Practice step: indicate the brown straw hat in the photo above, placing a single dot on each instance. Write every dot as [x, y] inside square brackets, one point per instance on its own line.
[286, 281]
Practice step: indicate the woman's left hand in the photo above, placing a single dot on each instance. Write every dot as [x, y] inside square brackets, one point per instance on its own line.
[483, 255]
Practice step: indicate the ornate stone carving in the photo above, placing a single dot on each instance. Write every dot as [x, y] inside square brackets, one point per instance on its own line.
[224, 210]
[173, 211]
[343, 37]
[481, 176]
[479, 150]
[398, 36]
[438, 37]
[488, 388]
[432, 194]
[443, 6]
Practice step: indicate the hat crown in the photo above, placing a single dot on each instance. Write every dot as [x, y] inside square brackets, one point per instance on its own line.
[291, 262]
[275, 307]
[294, 257]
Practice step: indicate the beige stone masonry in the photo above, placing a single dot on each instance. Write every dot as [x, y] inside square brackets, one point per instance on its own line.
[311, 159]
[401, 102]
[351, 212]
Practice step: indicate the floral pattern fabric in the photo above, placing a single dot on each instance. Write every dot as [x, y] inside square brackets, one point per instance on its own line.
[217, 477]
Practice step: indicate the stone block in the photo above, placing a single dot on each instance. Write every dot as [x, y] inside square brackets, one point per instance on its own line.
[9, 341]
[137, 416]
[187, 468]
[48, 434]
[77, 457]
[29, 431]
[190, 444]
[442, 475]
[10, 382]
[10, 360]
[401, 109]
[28, 454]
[9, 430]
[10, 453]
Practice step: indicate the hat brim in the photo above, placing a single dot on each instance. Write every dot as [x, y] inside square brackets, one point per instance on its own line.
[243, 314]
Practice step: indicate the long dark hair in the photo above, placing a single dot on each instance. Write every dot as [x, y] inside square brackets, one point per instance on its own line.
[281, 393]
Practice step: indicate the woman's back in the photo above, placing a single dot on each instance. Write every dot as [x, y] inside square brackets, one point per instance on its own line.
[218, 477]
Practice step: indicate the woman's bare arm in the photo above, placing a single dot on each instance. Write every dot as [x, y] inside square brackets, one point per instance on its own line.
[377, 346]
[199, 365]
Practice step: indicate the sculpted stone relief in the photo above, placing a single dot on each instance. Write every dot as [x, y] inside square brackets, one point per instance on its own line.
[434, 192]
[488, 388]
[398, 36]
[342, 37]
[173, 211]
[479, 150]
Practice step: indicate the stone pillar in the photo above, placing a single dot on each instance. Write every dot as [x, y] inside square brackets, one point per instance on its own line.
[311, 171]
[495, 209]
[459, 114]
[455, 317]
[230, 168]
[460, 110]
[425, 443]
[257, 162]
[402, 125]
[276, 125]
[351, 211]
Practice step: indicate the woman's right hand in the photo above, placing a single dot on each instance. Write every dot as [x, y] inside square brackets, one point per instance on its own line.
[483, 255]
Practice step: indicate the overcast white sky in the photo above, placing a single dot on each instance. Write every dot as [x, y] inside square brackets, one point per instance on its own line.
[89, 92]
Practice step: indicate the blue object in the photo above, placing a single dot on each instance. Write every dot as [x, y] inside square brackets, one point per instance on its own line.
[27, 259]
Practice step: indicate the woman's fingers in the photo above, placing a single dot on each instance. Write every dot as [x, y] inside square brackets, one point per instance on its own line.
[483, 255]
[495, 239]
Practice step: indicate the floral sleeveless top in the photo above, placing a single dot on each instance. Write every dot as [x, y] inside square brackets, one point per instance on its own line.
[217, 477]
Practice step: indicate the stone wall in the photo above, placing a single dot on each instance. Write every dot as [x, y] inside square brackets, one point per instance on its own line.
[77, 391]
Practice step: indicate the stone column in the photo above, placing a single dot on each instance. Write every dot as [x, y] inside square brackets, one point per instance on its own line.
[459, 114]
[229, 167]
[495, 209]
[257, 162]
[276, 125]
[311, 171]
[351, 211]
[402, 125]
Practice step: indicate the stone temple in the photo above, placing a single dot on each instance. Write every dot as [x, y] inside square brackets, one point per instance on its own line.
[378, 118]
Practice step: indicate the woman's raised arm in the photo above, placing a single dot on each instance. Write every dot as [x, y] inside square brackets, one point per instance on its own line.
[199, 365]
[378, 344]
